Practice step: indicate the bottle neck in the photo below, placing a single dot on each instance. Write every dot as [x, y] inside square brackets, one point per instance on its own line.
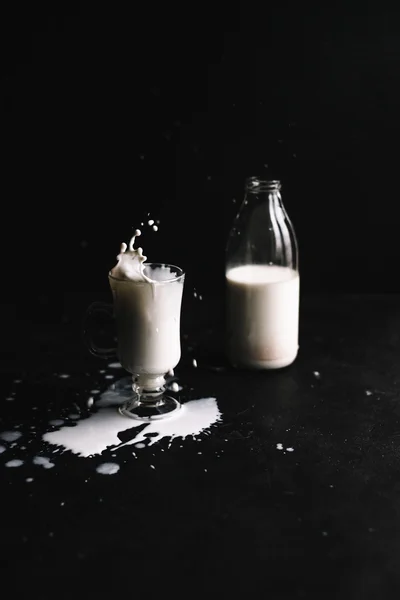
[255, 185]
[271, 199]
[262, 233]
[258, 191]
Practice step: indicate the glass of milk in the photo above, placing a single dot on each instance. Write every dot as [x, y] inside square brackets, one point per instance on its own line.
[262, 281]
[147, 314]
[148, 331]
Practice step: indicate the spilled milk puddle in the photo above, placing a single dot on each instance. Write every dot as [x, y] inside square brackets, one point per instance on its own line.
[102, 430]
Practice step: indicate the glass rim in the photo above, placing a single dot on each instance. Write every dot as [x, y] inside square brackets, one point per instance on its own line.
[180, 274]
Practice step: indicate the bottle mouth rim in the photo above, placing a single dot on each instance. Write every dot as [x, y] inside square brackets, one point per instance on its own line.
[258, 184]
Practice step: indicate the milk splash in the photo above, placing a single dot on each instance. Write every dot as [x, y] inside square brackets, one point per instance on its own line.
[193, 418]
[101, 430]
[130, 261]
[131, 265]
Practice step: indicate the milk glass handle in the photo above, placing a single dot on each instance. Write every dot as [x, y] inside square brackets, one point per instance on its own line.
[96, 315]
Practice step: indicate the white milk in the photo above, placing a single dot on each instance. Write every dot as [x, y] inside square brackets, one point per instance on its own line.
[101, 429]
[147, 306]
[148, 322]
[262, 316]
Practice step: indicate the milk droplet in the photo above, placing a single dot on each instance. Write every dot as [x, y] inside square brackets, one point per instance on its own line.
[10, 436]
[43, 461]
[16, 462]
[64, 376]
[175, 387]
[194, 362]
[151, 222]
[29, 479]
[90, 402]
[155, 228]
[289, 449]
[2, 449]
[115, 365]
[108, 468]
[279, 446]
[317, 374]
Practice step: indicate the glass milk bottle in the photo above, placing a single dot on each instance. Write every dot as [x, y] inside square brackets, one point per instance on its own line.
[262, 279]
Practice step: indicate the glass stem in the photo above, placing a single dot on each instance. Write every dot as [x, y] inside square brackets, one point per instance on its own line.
[149, 388]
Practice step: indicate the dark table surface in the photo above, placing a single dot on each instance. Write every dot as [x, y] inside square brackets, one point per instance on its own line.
[241, 516]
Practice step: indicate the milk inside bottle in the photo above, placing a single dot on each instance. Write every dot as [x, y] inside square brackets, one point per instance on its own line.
[262, 281]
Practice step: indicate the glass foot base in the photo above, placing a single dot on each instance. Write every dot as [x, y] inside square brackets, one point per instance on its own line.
[150, 411]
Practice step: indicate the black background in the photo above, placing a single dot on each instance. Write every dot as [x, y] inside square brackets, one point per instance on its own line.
[108, 115]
